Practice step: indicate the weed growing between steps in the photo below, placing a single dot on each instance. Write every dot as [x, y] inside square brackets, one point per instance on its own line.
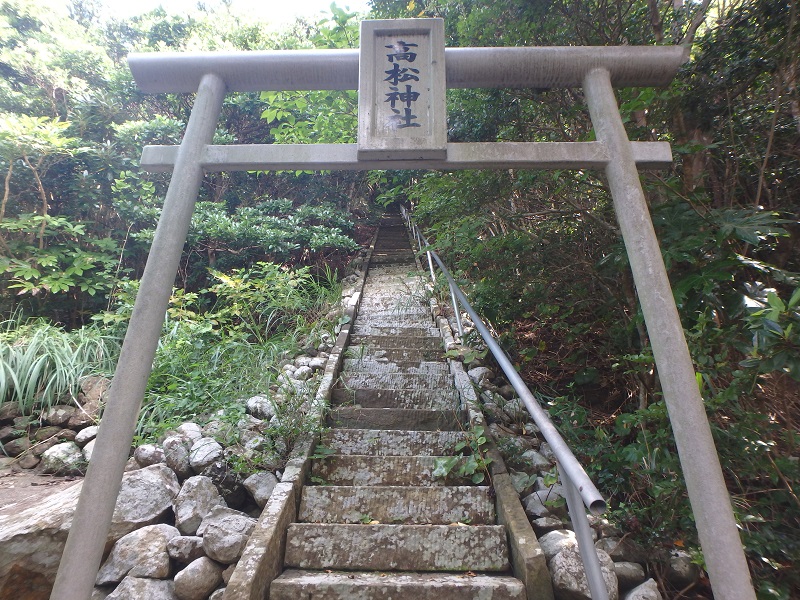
[469, 461]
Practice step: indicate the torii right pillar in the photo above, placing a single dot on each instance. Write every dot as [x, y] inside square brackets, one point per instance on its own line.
[711, 504]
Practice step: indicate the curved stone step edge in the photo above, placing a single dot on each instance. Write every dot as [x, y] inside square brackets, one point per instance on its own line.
[391, 442]
[397, 547]
[346, 585]
[407, 505]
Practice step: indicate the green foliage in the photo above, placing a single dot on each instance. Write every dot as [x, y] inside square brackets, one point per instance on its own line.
[42, 365]
[469, 460]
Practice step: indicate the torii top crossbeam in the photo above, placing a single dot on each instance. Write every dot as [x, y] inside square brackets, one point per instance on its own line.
[536, 67]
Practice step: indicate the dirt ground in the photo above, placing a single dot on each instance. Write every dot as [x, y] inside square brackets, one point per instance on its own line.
[21, 489]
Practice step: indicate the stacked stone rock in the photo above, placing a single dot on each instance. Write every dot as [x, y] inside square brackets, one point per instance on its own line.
[624, 563]
[58, 441]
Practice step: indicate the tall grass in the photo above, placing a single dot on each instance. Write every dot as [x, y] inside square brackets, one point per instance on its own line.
[42, 365]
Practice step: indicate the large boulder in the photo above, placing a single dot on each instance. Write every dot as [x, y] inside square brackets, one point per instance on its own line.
[646, 591]
[185, 548]
[141, 553]
[31, 541]
[260, 486]
[569, 577]
[139, 588]
[63, 459]
[198, 496]
[225, 533]
[145, 498]
[198, 579]
[205, 452]
[176, 455]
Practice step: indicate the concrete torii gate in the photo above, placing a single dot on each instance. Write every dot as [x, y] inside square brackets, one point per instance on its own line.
[402, 125]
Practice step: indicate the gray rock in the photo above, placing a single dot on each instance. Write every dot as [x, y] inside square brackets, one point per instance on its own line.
[86, 435]
[622, 549]
[217, 595]
[141, 553]
[204, 452]
[523, 483]
[543, 503]
[138, 588]
[535, 461]
[185, 548]
[17, 446]
[228, 573]
[303, 373]
[516, 410]
[646, 591]
[176, 455]
[59, 414]
[681, 571]
[9, 411]
[190, 430]
[44, 527]
[629, 574]
[197, 497]
[480, 374]
[554, 542]
[27, 461]
[148, 454]
[88, 449]
[260, 407]
[569, 578]
[198, 579]
[63, 459]
[89, 402]
[544, 525]
[225, 533]
[547, 451]
[260, 486]
[318, 363]
[100, 593]
[228, 482]
[145, 497]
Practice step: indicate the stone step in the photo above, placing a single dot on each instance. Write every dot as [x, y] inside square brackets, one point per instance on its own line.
[348, 585]
[394, 418]
[387, 342]
[391, 442]
[369, 328]
[379, 471]
[401, 354]
[443, 399]
[397, 547]
[397, 381]
[397, 505]
[385, 366]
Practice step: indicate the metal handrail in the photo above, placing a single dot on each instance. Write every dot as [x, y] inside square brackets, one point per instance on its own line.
[579, 489]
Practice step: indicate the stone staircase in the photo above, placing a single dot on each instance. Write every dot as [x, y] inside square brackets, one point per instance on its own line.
[373, 521]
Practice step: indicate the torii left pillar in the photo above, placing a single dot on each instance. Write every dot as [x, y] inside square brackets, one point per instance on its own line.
[83, 551]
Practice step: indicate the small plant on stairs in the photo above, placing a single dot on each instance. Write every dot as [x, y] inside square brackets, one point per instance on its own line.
[470, 460]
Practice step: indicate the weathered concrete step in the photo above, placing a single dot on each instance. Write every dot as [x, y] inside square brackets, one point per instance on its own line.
[347, 585]
[442, 399]
[395, 353]
[409, 316]
[397, 547]
[391, 442]
[397, 505]
[379, 471]
[377, 366]
[386, 342]
[405, 258]
[398, 381]
[368, 328]
[394, 418]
